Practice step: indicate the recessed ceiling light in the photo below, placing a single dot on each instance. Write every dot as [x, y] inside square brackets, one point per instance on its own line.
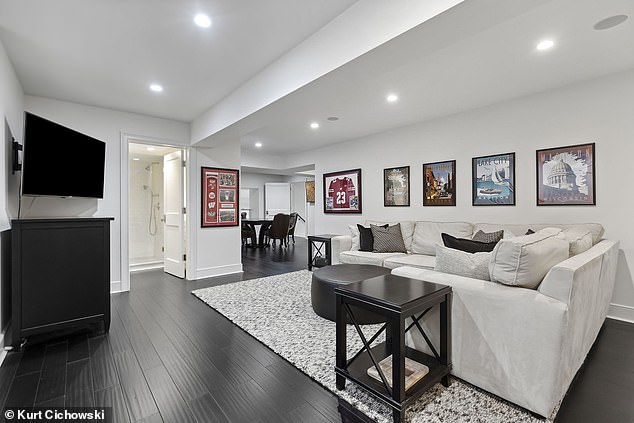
[392, 98]
[314, 125]
[202, 20]
[545, 45]
[136, 159]
[151, 149]
[610, 22]
[258, 144]
[156, 88]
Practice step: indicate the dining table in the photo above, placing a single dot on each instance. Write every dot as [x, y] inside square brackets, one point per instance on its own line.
[264, 223]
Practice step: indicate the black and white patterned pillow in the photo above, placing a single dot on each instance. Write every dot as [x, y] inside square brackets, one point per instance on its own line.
[488, 236]
[388, 240]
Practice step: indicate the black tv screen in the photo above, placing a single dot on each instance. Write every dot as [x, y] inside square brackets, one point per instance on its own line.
[61, 162]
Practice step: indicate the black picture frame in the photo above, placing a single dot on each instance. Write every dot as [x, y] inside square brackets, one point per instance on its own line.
[565, 176]
[493, 180]
[342, 192]
[396, 187]
[439, 183]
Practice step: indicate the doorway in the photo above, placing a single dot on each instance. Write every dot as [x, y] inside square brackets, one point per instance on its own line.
[156, 218]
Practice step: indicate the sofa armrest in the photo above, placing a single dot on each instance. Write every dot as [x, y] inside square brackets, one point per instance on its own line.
[582, 275]
[338, 244]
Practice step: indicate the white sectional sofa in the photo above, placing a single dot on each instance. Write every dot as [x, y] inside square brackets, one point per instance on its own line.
[524, 345]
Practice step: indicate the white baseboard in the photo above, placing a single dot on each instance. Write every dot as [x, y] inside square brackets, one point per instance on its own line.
[210, 272]
[621, 312]
[115, 286]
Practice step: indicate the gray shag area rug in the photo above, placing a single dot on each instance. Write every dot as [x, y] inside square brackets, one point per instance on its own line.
[277, 311]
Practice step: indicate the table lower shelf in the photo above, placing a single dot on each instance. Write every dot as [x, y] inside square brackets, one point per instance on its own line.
[357, 373]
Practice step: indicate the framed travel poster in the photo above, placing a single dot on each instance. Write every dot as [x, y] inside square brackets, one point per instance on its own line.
[219, 197]
[493, 180]
[439, 183]
[342, 191]
[396, 186]
[565, 176]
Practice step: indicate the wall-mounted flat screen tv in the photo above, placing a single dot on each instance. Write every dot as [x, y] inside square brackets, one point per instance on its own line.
[61, 162]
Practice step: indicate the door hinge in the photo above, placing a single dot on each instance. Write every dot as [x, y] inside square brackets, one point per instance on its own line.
[184, 257]
[184, 210]
[163, 249]
[184, 163]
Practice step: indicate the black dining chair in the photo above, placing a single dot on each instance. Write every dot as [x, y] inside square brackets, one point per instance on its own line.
[279, 229]
[291, 227]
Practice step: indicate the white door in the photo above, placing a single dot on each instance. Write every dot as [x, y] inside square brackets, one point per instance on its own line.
[277, 198]
[174, 255]
[298, 204]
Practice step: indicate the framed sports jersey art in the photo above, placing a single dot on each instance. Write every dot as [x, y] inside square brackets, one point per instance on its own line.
[342, 191]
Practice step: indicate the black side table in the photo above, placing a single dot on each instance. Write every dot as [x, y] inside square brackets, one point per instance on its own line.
[319, 250]
[396, 298]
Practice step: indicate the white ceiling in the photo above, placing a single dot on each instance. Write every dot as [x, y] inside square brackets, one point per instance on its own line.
[475, 54]
[107, 52]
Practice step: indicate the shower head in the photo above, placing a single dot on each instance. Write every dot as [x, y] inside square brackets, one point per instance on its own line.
[147, 168]
[146, 187]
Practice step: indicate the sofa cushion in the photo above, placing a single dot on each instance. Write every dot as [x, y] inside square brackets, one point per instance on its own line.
[595, 228]
[525, 260]
[467, 245]
[421, 261]
[407, 230]
[364, 257]
[388, 239]
[427, 234]
[482, 236]
[462, 263]
[579, 239]
[354, 233]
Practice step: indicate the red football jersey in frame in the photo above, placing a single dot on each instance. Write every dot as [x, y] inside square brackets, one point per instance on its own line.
[342, 191]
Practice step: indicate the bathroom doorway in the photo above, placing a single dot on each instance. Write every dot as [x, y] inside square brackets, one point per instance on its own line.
[150, 201]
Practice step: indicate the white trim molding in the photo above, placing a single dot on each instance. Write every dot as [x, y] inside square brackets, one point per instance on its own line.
[621, 312]
[3, 353]
[115, 286]
[210, 272]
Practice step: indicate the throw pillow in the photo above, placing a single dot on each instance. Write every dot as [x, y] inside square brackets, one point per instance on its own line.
[482, 236]
[468, 245]
[461, 263]
[388, 239]
[525, 260]
[366, 239]
[580, 240]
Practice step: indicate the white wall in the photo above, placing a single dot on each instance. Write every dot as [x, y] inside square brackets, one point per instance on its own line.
[106, 125]
[600, 111]
[257, 180]
[214, 251]
[11, 122]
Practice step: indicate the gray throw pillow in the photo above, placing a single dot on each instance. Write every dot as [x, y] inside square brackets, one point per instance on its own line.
[488, 236]
[388, 240]
[461, 263]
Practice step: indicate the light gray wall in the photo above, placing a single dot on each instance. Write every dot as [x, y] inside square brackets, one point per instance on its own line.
[108, 126]
[11, 123]
[600, 111]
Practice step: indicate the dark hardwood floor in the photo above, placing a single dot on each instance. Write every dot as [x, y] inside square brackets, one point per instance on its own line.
[168, 357]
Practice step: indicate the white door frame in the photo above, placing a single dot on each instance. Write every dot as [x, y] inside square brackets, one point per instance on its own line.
[126, 139]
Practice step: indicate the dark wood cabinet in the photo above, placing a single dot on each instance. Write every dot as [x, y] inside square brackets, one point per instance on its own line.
[60, 274]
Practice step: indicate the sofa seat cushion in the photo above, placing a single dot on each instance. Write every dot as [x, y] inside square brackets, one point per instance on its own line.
[421, 261]
[428, 234]
[525, 260]
[365, 257]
